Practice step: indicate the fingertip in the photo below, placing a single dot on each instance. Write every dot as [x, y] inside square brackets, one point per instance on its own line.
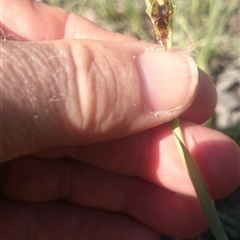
[216, 155]
[205, 100]
[169, 79]
[220, 164]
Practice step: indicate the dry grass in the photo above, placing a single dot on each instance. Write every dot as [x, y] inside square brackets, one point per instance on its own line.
[203, 28]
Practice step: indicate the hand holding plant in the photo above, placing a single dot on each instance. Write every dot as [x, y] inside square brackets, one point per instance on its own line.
[82, 154]
[161, 13]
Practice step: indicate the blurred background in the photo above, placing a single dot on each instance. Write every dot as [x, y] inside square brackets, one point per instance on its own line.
[208, 30]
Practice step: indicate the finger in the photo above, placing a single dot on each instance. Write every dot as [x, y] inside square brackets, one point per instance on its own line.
[47, 180]
[35, 21]
[99, 189]
[76, 92]
[153, 156]
[38, 21]
[205, 101]
[61, 221]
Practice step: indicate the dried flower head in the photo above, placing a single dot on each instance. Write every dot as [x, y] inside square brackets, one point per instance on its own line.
[161, 13]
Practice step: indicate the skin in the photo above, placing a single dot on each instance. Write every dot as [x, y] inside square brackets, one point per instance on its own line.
[68, 170]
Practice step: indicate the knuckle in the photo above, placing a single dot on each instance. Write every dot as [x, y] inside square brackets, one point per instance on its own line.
[96, 88]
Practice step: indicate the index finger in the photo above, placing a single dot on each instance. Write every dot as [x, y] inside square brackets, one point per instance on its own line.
[33, 21]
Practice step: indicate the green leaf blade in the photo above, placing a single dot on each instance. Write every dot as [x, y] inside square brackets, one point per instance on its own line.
[202, 191]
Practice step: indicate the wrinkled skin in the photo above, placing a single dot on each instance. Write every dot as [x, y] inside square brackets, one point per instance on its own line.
[81, 156]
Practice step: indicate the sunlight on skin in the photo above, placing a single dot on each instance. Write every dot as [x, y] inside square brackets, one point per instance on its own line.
[118, 185]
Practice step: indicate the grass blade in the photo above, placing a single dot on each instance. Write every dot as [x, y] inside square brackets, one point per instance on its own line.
[199, 184]
[161, 13]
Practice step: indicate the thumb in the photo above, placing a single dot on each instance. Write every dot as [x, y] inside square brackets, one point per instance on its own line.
[78, 92]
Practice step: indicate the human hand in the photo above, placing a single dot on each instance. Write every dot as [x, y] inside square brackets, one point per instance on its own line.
[87, 150]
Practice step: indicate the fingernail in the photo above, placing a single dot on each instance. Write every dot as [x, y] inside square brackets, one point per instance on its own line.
[169, 79]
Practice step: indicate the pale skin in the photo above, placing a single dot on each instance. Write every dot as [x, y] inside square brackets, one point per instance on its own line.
[82, 157]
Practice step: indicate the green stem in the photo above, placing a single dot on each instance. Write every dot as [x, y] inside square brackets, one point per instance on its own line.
[189, 163]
